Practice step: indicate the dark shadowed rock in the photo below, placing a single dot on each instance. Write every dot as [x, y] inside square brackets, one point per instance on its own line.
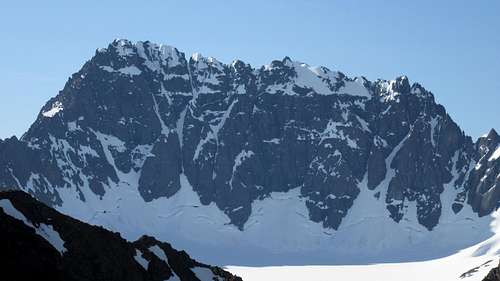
[493, 275]
[38, 243]
[484, 182]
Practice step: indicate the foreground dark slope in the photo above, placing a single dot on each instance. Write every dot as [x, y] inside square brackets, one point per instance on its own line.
[38, 243]
[141, 115]
[493, 275]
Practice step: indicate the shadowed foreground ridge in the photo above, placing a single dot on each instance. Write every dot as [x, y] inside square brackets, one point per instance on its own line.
[493, 275]
[38, 243]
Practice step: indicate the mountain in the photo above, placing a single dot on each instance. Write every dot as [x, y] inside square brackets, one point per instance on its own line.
[301, 163]
[38, 243]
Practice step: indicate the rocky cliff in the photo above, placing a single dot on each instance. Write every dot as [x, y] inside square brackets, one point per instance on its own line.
[141, 117]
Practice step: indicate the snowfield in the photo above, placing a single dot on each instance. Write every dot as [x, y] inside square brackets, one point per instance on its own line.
[437, 270]
[471, 264]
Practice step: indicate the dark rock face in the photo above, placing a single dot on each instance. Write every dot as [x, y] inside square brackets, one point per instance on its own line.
[493, 275]
[140, 115]
[484, 180]
[160, 172]
[30, 230]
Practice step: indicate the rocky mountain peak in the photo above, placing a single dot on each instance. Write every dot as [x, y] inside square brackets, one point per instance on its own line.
[401, 84]
[139, 119]
[488, 143]
[493, 135]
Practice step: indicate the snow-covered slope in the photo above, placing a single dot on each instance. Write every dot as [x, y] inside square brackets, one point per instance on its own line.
[452, 268]
[279, 231]
[470, 264]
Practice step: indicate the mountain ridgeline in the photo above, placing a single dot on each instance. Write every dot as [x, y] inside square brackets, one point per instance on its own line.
[140, 117]
[37, 242]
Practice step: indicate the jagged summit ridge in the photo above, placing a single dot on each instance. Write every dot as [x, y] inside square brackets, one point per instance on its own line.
[320, 79]
[142, 120]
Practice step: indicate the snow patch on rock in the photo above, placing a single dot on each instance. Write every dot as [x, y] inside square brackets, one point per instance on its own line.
[495, 154]
[43, 230]
[56, 108]
[140, 260]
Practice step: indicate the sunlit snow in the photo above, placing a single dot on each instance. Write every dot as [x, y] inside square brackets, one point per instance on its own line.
[470, 264]
[56, 107]
[495, 154]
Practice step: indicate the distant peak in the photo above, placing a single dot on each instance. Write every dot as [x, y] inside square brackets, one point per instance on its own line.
[493, 135]
[402, 84]
[121, 42]
[196, 56]
[286, 60]
[237, 62]
[239, 65]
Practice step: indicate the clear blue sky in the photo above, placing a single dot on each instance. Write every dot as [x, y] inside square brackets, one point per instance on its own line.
[451, 47]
